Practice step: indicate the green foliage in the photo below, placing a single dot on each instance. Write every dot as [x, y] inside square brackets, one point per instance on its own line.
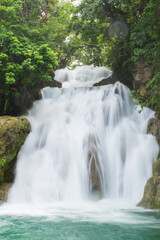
[126, 32]
[25, 58]
[113, 33]
[103, 24]
[150, 95]
[145, 44]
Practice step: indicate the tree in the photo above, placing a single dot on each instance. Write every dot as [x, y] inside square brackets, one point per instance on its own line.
[127, 32]
[113, 33]
[25, 59]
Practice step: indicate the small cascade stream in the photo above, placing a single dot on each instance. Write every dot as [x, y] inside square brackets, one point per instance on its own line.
[86, 142]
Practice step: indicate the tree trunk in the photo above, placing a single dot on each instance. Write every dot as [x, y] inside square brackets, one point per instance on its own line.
[45, 13]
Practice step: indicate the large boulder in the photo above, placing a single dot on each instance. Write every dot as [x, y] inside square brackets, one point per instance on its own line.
[13, 132]
[151, 197]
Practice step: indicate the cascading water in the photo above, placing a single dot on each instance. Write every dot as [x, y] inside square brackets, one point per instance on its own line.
[84, 139]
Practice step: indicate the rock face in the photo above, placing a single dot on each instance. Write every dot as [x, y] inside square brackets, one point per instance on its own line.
[13, 132]
[142, 75]
[110, 80]
[19, 106]
[151, 198]
[4, 189]
[153, 128]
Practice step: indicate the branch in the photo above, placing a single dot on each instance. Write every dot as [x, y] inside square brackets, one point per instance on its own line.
[72, 51]
[112, 11]
[45, 14]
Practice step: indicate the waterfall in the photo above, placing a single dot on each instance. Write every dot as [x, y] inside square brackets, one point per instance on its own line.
[84, 140]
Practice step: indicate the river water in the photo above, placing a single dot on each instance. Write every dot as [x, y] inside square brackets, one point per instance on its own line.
[54, 195]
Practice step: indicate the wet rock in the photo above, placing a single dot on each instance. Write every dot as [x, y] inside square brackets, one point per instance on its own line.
[55, 83]
[4, 189]
[105, 95]
[153, 128]
[28, 96]
[52, 84]
[94, 168]
[151, 197]
[13, 132]
[21, 104]
[110, 80]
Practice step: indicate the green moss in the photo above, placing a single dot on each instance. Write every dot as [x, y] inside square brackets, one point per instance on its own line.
[155, 205]
[151, 198]
[2, 162]
[13, 132]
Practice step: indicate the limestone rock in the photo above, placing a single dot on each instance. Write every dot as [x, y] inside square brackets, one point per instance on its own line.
[142, 74]
[28, 96]
[56, 84]
[13, 132]
[151, 197]
[4, 189]
[110, 80]
[19, 106]
[153, 128]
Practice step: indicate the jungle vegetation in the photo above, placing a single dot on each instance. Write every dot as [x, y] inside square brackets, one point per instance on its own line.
[39, 36]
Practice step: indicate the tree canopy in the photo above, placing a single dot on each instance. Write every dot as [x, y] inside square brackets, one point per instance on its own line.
[125, 33]
[38, 36]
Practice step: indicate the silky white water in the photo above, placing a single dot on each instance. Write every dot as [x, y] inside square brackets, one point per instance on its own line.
[75, 123]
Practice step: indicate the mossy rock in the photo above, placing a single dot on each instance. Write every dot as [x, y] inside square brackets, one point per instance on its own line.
[4, 189]
[13, 132]
[109, 80]
[151, 197]
[20, 105]
[153, 128]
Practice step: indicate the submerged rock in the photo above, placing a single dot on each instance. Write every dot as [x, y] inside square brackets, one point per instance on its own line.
[151, 197]
[13, 132]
